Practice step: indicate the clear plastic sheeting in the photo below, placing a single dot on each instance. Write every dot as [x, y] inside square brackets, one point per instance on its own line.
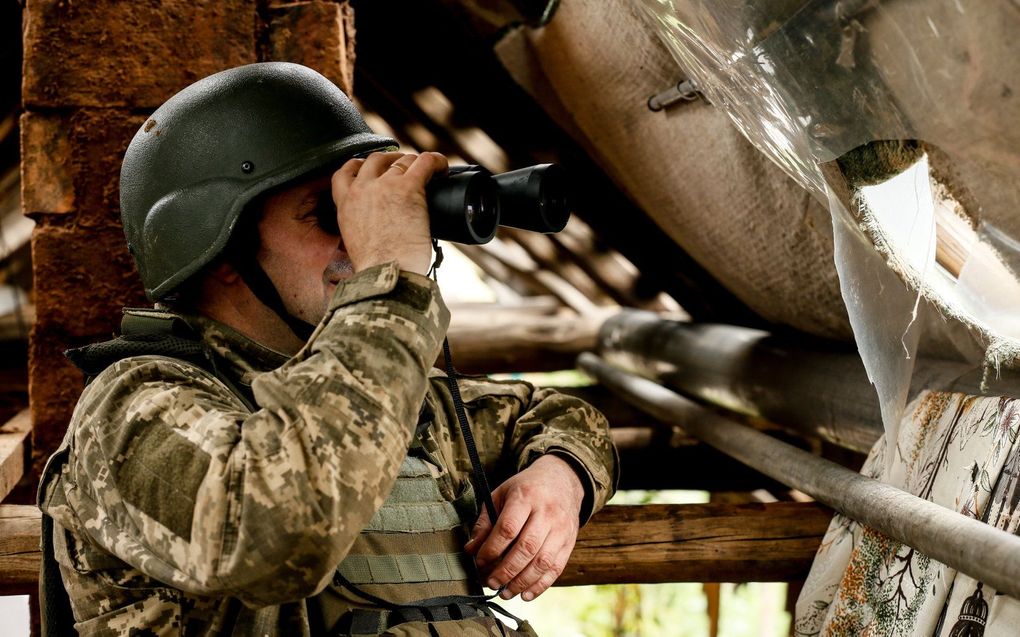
[901, 115]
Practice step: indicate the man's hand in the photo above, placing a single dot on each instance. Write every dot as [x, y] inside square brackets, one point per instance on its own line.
[381, 209]
[538, 522]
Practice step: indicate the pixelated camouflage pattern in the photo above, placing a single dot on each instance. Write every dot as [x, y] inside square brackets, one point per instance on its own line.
[184, 513]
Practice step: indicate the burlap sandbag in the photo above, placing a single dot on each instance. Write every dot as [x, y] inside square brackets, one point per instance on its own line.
[765, 238]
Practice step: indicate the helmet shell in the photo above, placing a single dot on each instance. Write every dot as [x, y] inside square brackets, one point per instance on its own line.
[213, 147]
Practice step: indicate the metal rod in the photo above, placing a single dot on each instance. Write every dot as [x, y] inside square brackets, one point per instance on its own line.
[979, 550]
[682, 91]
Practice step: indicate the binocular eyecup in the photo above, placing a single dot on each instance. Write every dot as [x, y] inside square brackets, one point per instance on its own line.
[469, 203]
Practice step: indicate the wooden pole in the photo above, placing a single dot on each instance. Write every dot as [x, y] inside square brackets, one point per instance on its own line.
[976, 549]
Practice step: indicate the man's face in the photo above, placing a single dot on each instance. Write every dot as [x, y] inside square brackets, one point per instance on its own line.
[301, 248]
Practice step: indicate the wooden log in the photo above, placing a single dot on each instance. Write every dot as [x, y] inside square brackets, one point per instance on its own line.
[14, 451]
[530, 306]
[539, 344]
[697, 543]
[609, 268]
[976, 549]
[19, 549]
[522, 283]
[647, 544]
[552, 257]
[514, 257]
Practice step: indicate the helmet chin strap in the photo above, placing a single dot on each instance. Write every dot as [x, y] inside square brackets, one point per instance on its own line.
[262, 286]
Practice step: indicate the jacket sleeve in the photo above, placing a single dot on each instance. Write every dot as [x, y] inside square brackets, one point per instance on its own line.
[169, 472]
[513, 424]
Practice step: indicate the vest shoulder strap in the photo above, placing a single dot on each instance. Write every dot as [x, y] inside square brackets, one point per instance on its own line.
[153, 332]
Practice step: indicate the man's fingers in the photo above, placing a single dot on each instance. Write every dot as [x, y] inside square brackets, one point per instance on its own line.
[548, 563]
[532, 543]
[426, 165]
[542, 585]
[479, 532]
[343, 178]
[508, 526]
[377, 163]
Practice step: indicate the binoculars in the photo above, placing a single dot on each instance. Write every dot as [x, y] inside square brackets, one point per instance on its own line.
[468, 203]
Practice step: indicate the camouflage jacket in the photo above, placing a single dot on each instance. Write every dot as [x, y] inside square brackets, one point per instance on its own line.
[179, 511]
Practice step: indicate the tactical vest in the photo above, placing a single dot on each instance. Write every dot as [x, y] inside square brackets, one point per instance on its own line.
[406, 565]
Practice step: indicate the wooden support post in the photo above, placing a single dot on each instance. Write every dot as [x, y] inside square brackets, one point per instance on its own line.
[14, 451]
[976, 549]
[621, 544]
[19, 549]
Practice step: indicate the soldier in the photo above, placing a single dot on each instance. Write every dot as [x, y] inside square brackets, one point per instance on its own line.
[269, 451]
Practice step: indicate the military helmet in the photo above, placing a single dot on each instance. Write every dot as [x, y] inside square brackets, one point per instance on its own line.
[216, 145]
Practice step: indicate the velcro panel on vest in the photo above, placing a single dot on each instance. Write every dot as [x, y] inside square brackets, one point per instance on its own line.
[405, 569]
[415, 537]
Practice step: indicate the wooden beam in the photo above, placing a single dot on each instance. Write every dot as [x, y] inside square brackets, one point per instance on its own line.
[20, 556]
[646, 544]
[538, 344]
[14, 451]
[965, 544]
[655, 543]
[552, 257]
[522, 283]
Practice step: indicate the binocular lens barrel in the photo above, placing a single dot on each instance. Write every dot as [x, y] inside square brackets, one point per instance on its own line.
[534, 198]
[466, 205]
[463, 207]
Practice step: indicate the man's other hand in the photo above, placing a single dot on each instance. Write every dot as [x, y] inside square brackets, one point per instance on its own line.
[539, 512]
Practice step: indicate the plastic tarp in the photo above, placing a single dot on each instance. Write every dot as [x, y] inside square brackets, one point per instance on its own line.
[901, 116]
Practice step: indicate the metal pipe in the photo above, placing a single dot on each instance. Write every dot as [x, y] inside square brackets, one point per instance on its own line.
[813, 386]
[979, 550]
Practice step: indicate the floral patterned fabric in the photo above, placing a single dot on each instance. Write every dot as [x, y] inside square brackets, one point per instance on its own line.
[960, 452]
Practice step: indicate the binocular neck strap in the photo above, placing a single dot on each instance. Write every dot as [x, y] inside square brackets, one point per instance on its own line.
[483, 493]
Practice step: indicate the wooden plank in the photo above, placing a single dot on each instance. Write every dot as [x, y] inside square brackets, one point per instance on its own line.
[19, 549]
[656, 543]
[14, 450]
[621, 544]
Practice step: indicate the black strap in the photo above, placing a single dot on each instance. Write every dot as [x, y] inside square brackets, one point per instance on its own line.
[159, 335]
[262, 286]
[55, 606]
[483, 493]
[432, 609]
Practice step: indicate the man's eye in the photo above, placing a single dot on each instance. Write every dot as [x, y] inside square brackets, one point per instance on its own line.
[325, 216]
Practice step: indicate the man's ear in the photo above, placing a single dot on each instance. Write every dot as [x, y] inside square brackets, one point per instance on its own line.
[224, 272]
